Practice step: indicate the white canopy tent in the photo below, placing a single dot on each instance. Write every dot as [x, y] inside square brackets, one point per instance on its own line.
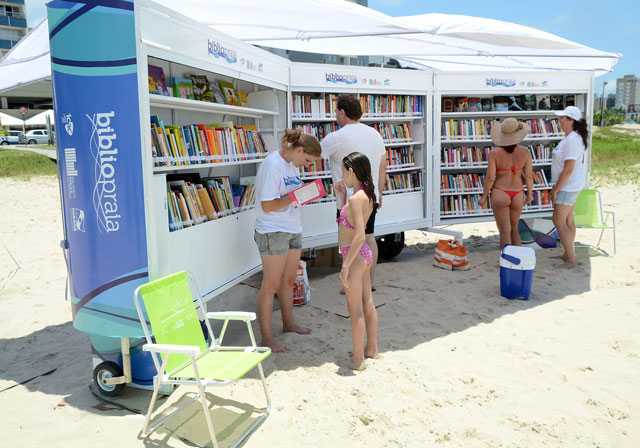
[41, 118]
[8, 120]
[429, 41]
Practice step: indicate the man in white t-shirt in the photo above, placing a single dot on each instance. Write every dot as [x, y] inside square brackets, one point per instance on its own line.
[354, 136]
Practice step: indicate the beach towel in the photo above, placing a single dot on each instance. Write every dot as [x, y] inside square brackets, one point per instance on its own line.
[451, 255]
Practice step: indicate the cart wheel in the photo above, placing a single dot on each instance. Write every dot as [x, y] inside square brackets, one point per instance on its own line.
[106, 370]
[391, 245]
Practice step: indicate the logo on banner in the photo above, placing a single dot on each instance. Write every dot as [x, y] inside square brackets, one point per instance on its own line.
[77, 216]
[70, 170]
[67, 123]
[216, 49]
[504, 82]
[338, 77]
[105, 194]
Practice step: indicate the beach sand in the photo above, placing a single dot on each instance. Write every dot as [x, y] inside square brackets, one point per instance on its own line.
[461, 366]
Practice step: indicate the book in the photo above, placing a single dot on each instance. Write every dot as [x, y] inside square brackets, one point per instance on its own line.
[182, 88]
[201, 88]
[308, 192]
[501, 103]
[544, 102]
[229, 93]
[462, 104]
[217, 93]
[487, 104]
[157, 82]
[475, 105]
[447, 104]
[557, 102]
[530, 102]
[569, 100]
[516, 102]
[242, 98]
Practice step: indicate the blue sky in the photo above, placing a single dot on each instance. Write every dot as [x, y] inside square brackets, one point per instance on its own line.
[597, 24]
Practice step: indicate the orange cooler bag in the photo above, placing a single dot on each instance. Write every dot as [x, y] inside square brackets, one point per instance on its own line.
[451, 255]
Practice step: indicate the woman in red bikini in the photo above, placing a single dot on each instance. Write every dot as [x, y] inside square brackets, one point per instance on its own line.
[508, 161]
[357, 256]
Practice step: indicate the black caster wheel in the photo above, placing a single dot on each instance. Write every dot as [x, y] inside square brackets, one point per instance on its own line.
[106, 370]
[391, 245]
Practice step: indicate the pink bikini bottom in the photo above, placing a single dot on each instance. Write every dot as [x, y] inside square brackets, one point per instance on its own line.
[364, 252]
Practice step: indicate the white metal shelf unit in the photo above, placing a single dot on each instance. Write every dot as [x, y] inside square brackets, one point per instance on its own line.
[403, 208]
[218, 252]
[456, 86]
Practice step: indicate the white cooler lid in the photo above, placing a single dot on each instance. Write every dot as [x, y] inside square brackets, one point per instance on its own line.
[518, 257]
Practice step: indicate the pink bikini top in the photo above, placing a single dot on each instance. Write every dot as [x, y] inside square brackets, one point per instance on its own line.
[342, 219]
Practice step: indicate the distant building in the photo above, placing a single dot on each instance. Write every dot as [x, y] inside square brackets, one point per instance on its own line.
[627, 91]
[13, 24]
[611, 101]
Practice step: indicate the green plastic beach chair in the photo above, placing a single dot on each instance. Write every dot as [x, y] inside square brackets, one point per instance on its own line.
[181, 355]
[589, 215]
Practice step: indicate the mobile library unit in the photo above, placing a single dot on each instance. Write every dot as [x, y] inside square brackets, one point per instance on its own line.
[397, 103]
[465, 104]
[164, 121]
[152, 183]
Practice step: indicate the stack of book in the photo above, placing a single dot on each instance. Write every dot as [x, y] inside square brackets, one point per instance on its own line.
[393, 133]
[401, 157]
[391, 106]
[403, 183]
[317, 168]
[202, 143]
[193, 200]
[464, 156]
[320, 130]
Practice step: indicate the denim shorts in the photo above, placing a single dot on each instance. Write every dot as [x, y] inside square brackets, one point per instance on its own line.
[277, 243]
[567, 197]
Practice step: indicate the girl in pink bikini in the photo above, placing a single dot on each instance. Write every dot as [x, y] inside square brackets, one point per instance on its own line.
[508, 161]
[357, 256]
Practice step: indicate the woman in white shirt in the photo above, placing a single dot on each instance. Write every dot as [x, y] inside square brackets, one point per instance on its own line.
[568, 178]
[279, 229]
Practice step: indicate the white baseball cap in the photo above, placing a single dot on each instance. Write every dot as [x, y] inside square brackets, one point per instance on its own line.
[571, 112]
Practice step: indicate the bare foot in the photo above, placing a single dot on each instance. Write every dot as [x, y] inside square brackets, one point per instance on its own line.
[375, 355]
[372, 290]
[275, 348]
[295, 328]
[359, 366]
[568, 265]
[560, 257]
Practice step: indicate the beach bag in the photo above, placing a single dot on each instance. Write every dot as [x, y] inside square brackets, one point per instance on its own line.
[301, 290]
[451, 255]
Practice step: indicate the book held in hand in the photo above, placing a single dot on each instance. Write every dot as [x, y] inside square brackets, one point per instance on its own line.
[308, 192]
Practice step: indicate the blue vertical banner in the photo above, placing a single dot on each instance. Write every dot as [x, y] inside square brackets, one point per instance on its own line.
[95, 89]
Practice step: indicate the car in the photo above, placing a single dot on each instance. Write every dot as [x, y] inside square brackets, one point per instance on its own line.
[37, 136]
[12, 138]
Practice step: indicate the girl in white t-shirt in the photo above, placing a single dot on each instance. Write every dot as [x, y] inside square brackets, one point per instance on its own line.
[568, 178]
[278, 229]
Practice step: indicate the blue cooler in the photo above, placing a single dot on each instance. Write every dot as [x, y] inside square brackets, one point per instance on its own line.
[516, 271]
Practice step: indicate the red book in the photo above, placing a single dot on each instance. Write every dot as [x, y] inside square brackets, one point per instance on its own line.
[308, 192]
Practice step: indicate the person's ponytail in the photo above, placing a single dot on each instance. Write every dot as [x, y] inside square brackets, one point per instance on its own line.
[580, 126]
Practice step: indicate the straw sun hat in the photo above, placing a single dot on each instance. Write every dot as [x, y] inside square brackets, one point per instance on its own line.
[509, 132]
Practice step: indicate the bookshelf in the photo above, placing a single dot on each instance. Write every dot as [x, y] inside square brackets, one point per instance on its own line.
[395, 102]
[464, 109]
[219, 249]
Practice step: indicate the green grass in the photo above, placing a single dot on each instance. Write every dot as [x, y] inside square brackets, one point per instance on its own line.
[616, 158]
[25, 164]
